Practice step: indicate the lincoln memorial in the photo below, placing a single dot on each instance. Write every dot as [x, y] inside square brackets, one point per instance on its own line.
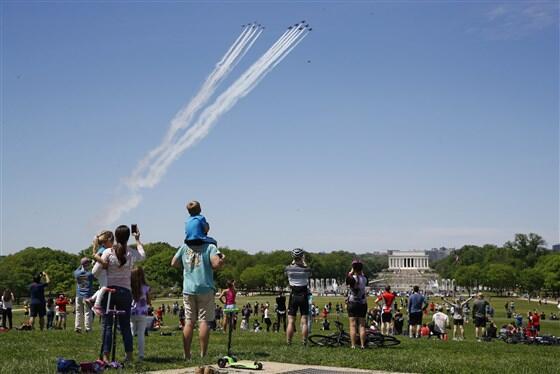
[403, 260]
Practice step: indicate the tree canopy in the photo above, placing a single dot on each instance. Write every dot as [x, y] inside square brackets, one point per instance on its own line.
[521, 264]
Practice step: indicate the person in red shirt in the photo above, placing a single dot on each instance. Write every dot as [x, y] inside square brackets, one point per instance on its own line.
[536, 322]
[424, 330]
[61, 302]
[159, 315]
[386, 313]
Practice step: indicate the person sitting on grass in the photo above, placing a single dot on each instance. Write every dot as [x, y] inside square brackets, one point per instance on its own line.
[441, 322]
[424, 330]
[398, 323]
[492, 331]
[326, 325]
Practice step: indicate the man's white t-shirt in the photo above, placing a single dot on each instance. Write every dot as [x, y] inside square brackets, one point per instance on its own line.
[440, 321]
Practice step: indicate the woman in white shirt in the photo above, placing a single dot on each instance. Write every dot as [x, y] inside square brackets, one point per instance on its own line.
[120, 261]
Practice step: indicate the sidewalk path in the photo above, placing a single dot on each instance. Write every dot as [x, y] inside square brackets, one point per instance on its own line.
[280, 367]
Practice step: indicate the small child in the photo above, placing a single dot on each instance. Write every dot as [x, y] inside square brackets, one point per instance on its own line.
[101, 242]
[196, 227]
[61, 302]
[139, 310]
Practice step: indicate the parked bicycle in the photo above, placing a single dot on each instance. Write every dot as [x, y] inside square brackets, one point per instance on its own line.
[341, 338]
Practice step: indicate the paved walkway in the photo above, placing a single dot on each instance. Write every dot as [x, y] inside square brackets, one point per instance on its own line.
[280, 367]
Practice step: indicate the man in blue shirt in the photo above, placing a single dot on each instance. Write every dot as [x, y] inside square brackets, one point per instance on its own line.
[416, 305]
[199, 263]
[84, 290]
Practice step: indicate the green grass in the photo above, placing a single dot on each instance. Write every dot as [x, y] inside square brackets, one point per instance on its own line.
[36, 351]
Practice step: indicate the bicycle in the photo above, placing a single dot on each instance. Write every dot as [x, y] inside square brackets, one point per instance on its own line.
[342, 338]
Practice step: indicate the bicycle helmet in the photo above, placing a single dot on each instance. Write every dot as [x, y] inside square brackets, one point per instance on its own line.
[297, 253]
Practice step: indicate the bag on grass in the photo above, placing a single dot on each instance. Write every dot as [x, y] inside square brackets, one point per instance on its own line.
[67, 366]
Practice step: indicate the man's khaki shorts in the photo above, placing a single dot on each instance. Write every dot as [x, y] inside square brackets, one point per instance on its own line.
[199, 307]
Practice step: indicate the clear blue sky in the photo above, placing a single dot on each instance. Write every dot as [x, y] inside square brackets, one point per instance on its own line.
[414, 125]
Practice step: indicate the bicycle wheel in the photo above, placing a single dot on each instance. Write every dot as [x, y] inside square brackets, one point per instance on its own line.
[323, 340]
[390, 341]
[378, 340]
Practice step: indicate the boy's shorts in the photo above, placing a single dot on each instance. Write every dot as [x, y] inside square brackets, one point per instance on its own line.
[199, 307]
[415, 318]
[480, 321]
[38, 310]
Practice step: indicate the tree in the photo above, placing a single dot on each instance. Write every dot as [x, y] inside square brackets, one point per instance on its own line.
[468, 276]
[254, 277]
[500, 277]
[17, 270]
[549, 267]
[527, 247]
[275, 277]
[531, 280]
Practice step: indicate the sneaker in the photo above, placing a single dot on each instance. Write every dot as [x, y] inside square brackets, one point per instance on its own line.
[79, 331]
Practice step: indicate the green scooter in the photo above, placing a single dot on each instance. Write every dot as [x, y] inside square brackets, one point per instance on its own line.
[230, 360]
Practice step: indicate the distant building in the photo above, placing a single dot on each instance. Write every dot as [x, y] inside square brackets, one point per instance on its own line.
[436, 254]
[556, 248]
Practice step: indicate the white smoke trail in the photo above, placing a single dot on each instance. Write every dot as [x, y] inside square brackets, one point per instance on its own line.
[240, 88]
[171, 149]
[159, 166]
[184, 117]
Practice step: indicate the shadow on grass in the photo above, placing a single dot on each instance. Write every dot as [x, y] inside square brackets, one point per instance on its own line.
[164, 360]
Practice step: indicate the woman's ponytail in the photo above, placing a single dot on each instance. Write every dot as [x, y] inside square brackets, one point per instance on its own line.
[122, 233]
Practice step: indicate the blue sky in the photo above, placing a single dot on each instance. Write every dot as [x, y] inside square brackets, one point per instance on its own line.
[413, 125]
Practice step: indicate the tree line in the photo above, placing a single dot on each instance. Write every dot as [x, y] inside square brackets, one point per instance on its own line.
[262, 271]
[523, 264]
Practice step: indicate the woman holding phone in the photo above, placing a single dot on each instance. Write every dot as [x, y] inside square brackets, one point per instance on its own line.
[120, 259]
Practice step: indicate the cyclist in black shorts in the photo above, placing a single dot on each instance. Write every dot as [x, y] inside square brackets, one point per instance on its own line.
[357, 303]
[298, 276]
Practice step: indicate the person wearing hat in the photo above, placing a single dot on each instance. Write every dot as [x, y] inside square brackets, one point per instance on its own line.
[84, 290]
[298, 276]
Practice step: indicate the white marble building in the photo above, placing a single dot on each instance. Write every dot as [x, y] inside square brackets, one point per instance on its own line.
[408, 260]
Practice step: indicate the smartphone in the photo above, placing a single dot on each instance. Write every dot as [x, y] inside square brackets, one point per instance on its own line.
[134, 228]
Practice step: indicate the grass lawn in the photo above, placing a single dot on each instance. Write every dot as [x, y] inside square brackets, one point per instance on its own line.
[36, 351]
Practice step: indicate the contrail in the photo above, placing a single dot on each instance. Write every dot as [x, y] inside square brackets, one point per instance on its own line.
[154, 166]
[240, 88]
[184, 117]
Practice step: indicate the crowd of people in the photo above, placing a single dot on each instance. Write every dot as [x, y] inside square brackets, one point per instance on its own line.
[114, 263]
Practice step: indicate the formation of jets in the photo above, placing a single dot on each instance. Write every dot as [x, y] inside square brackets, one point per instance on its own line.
[300, 26]
[254, 25]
